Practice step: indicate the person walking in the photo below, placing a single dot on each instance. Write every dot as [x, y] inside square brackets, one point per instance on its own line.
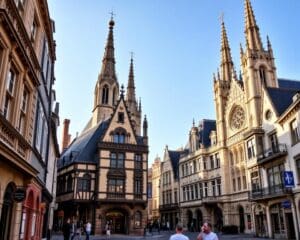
[179, 235]
[88, 229]
[67, 229]
[207, 233]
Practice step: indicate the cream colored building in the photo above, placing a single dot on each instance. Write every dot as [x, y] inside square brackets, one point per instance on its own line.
[155, 188]
[234, 169]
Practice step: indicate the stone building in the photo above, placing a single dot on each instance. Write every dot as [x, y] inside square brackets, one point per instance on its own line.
[155, 188]
[236, 169]
[28, 120]
[102, 174]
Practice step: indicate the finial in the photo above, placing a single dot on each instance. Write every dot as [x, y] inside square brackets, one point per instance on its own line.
[131, 55]
[193, 122]
[122, 91]
[221, 18]
[112, 22]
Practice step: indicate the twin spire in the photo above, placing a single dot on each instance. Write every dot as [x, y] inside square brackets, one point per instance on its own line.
[253, 42]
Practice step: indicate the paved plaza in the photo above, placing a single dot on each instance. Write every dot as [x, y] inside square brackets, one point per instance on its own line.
[162, 235]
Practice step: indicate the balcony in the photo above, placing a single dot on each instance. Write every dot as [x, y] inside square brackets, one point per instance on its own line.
[269, 192]
[272, 153]
[168, 206]
[211, 199]
[115, 195]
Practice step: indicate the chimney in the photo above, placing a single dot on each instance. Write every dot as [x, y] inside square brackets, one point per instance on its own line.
[66, 136]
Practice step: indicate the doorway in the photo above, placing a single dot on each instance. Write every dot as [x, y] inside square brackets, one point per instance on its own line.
[116, 221]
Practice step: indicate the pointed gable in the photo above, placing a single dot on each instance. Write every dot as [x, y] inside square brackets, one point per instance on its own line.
[120, 124]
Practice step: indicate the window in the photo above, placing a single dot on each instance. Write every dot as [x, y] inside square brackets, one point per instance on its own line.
[205, 194]
[219, 192]
[182, 170]
[255, 181]
[294, 132]
[175, 196]
[10, 88]
[213, 185]
[138, 161]
[105, 94]
[251, 148]
[117, 160]
[231, 159]
[137, 219]
[138, 188]
[184, 193]
[119, 137]
[116, 185]
[217, 157]
[274, 142]
[24, 104]
[233, 184]
[239, 184]
[196, 191]
[114, 96]
[69, 184]
[194, 166]
[120, 117]
[212, 162]
[204, 164]
[274, 177]
[244, 182]
[298, 170]
[201, 189]
[84, 183]
[41, 131]
[262, 75]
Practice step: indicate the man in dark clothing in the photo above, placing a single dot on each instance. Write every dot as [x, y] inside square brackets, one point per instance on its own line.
[67, 230]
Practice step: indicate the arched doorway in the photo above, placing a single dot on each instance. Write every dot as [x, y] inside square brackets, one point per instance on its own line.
[260, 220]
[6, 214]
[218, 216]
[199, 220]
[189, 219]
[242, 219]
[117, 221]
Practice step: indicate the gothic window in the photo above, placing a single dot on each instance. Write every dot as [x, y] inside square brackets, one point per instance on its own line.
[262, 75]
[237, 118]
[295, 134]
[105, 94]
[117, 160]
[120, 117]
[137, 219]
[84, 183]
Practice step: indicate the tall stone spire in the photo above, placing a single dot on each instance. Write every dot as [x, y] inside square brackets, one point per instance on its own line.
[107, 86]
[226, 65]
[251, 29]
[108, 61]
[130, 94]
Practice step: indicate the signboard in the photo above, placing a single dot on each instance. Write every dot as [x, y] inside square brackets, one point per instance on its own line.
[288, 179]
[19, 194]
[286, 204]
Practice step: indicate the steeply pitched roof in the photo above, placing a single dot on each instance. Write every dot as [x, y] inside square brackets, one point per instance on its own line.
[206, 126]
[83, 148]
[174, 158]
[282, 97]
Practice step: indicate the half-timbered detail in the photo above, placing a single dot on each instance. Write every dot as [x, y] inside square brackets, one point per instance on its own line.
[102, 176]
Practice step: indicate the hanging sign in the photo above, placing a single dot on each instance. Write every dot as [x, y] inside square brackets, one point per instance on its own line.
[19, 194]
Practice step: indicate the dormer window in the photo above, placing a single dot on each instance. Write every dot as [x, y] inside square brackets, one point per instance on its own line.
[119, 135]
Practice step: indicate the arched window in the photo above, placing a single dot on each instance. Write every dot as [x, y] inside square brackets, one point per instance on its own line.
[105, 94]
[119, 135]
[137, 219]
[262, 75]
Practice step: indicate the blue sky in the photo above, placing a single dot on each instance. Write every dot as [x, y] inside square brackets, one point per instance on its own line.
[176, 47]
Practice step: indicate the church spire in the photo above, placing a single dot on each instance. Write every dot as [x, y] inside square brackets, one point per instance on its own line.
[226, 60]
[251, 29]
[108, 62]
[130, 94]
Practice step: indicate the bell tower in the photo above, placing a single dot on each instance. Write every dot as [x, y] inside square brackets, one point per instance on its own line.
[107, 87]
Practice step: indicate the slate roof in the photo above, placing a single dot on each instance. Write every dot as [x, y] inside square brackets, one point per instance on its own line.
[84, 148]
[174, 158]
[206, 126]
[282, 97]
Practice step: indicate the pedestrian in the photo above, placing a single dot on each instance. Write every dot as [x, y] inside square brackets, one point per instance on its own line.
[168, 226]
[108, 233]
[207, 233]
[88, 229]
[73, 230]
[178, 235]
[67, 229]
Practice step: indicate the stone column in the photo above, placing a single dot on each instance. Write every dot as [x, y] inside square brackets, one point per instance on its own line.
[269, 225]
[295, 218]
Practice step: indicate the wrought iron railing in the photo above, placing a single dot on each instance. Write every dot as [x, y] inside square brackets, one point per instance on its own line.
[269, 192]
[115, 195]
[270, 153]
